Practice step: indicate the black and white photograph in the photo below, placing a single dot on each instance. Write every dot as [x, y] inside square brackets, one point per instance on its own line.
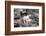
[26, 17]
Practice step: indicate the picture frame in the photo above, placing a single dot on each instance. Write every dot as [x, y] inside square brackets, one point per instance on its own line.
[9, 19]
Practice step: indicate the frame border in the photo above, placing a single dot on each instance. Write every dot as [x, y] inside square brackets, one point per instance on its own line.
[7, 17]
